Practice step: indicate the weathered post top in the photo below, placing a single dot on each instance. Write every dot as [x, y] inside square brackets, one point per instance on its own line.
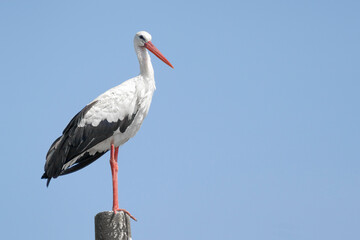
[110, 226]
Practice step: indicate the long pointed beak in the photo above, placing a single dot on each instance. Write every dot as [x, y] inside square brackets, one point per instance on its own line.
[157, 53]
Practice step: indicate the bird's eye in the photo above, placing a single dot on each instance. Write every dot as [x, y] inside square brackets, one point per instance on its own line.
[142, 37]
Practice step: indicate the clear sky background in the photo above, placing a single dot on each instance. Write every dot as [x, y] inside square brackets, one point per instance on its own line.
[254, 135]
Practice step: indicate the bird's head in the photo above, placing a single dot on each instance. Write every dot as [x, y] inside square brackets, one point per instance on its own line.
[143, 39]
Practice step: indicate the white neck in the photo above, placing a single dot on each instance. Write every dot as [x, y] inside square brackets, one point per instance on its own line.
[146, 68]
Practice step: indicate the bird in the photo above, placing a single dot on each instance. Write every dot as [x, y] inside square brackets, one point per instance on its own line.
[107, 122]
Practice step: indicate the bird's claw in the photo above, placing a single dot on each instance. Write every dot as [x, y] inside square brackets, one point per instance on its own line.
[126, 212]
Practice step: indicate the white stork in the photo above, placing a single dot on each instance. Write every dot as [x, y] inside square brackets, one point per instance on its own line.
[107, 122]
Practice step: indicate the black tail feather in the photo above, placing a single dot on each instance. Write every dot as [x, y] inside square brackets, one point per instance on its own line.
[45, 176]
[82, 162]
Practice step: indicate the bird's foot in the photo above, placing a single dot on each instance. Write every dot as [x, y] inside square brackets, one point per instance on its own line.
[125, 211]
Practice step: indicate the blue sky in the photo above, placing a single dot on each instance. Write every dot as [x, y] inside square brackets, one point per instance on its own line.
[254, 134]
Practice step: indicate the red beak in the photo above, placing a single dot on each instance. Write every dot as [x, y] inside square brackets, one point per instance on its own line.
[157, 53]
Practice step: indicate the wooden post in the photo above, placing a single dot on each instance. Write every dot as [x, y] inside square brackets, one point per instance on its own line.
[110, 226]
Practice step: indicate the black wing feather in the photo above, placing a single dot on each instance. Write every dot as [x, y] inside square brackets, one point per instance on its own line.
[77, 140]
[82, 162]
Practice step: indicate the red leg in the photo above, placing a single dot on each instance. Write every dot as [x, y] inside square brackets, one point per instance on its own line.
[114, 170]
[116, 153]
